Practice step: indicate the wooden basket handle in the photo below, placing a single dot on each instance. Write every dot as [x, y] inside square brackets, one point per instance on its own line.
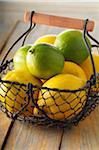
[58, 21]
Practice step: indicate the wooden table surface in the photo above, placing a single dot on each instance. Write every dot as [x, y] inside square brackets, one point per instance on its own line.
[27, 137]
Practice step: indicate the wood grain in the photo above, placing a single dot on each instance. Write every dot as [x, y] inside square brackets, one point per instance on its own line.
[58, 21]
[4, 121]
[83, 137]
[28, 137]
[4, 126]
[6, 35]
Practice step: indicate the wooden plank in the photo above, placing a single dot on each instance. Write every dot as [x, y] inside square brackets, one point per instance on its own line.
[4, 121]
[28, 137]
[83, 137]
[4, 126]
[6, 35]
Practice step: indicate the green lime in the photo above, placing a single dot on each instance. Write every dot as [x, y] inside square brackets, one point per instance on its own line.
[72, 46]
[44, 61]
[19, 59]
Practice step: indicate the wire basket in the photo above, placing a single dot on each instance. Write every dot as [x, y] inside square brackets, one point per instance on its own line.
[20, 104]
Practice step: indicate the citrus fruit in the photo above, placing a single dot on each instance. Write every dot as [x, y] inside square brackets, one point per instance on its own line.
[87, 66]
[73, 68]
[19, 59]
[62, 105]
[44, 61]
[70, 43]
[50, 39]
[12, 95]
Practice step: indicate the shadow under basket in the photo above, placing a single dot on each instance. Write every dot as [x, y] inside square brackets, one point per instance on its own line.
[67, 107]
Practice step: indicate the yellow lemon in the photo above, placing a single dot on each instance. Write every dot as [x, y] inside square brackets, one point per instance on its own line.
[50, 39]
[74, 69]
[62, 105]
[12, 96]
[87, 66]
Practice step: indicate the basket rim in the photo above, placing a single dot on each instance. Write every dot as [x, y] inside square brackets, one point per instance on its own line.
[46, 88]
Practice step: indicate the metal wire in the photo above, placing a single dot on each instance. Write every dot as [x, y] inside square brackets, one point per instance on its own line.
[66, 107]
[25, 33]
[89, 49]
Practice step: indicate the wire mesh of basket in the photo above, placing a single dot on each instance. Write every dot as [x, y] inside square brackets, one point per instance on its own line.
[67, 107]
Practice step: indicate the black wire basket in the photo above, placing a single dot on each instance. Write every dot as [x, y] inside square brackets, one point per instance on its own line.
[21, 102]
